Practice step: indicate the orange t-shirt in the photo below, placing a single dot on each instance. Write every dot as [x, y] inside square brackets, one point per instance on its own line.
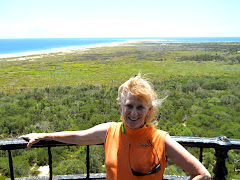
[132, 149]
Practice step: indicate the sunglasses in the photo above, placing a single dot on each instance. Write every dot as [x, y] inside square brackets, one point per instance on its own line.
[155, 170]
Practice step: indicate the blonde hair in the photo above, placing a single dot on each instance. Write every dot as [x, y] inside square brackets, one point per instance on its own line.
[141, 88]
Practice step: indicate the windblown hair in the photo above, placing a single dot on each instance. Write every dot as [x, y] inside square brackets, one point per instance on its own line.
[141, 88]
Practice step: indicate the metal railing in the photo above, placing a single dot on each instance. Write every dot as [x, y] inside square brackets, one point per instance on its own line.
[221, 145]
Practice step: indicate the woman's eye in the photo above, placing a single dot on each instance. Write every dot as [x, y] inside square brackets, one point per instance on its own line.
[129, 106]
[140, 107]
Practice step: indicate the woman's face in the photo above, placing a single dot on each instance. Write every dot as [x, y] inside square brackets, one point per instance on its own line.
[134, 111]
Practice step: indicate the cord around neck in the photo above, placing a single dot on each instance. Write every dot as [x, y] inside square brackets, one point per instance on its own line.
[123, 129]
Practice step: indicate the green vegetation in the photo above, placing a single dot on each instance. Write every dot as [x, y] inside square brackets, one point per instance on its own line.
[78, 90]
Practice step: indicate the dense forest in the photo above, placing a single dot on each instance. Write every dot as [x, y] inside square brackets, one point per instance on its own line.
[78, 90]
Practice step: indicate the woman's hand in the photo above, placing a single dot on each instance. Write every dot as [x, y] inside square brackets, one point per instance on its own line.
[33, 138]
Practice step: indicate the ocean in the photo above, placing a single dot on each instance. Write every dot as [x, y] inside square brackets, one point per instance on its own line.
[23, 47]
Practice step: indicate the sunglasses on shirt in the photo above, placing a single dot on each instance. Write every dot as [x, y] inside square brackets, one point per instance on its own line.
[155, 170]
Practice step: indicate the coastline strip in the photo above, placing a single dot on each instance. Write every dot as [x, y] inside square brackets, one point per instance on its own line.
[63, 49]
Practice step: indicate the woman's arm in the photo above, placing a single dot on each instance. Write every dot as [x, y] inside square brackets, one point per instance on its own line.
[181, 157]
[94, 135]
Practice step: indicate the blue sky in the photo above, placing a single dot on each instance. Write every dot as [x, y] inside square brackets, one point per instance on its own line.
[119, 18]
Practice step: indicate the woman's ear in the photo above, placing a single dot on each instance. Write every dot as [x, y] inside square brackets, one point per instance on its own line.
[150, 110]
[119, 106]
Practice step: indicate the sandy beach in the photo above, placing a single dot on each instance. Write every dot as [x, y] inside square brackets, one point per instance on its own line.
[57, 51]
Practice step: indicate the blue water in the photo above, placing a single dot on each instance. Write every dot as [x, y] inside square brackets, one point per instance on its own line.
[15, 46]
[8, 46]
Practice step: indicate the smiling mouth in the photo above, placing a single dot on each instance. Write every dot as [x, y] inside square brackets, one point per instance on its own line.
[132, 119]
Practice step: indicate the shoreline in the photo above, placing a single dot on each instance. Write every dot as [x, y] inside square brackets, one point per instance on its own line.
[31, 55]
[70, 49]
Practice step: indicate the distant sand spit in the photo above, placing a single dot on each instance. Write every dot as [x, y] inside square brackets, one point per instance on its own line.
[39, 54]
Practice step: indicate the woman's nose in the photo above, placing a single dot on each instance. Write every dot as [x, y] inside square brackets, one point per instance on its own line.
[134, 112]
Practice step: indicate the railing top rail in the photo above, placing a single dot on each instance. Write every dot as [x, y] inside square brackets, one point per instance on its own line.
[10, 144]
[204, 142]
[208, 142]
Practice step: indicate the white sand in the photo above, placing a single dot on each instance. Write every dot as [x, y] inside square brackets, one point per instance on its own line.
[39, 54]
[44, 171]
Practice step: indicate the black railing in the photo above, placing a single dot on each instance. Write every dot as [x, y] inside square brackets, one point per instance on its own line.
[221, 145]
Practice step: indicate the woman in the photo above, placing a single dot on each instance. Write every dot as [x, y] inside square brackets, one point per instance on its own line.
[134, 148]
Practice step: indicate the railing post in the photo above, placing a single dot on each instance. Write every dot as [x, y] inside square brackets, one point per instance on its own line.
[10, 164]
[201, 155]
[220, 170]
[88, 163]
[221, 153]
[50, 162]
